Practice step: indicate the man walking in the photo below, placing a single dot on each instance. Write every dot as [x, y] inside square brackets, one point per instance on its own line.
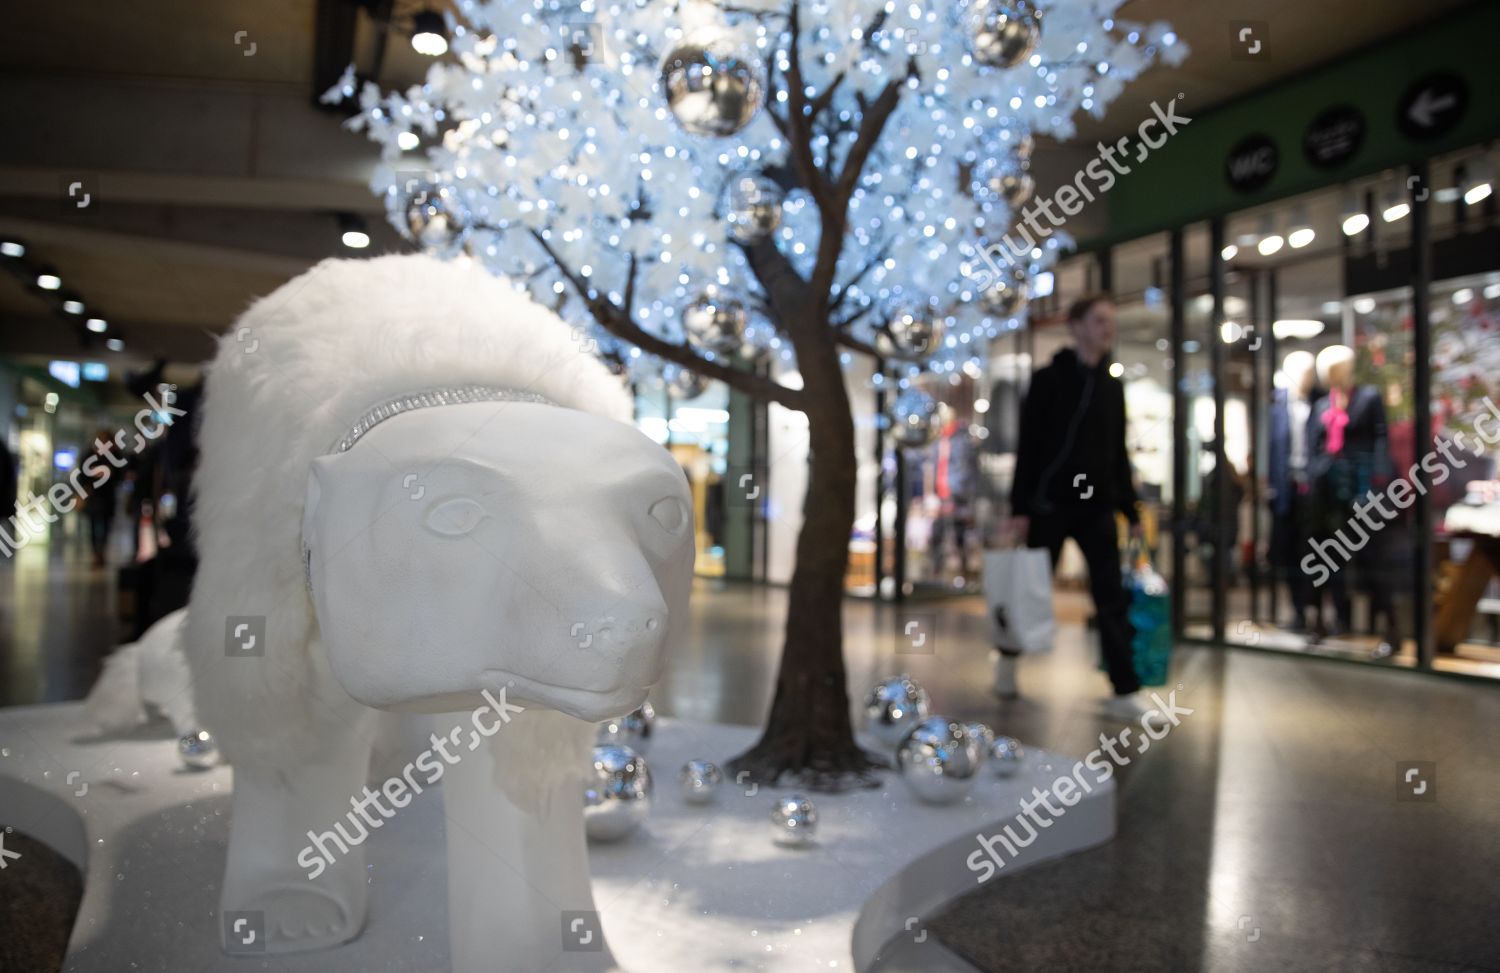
[1073, 474]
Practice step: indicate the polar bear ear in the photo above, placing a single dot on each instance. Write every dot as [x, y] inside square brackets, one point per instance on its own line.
[311, 500]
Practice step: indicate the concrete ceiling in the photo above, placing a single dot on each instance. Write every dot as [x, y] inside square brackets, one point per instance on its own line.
[214, 177]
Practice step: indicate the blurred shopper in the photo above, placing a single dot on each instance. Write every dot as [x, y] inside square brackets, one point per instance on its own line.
[100, 505]
[1073, 474]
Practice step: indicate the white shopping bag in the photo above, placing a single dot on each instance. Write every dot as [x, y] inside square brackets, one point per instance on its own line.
[1018, 596]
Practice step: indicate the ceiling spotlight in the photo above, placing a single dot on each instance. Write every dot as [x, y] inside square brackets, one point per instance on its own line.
[73, 306]
[1475, 182]
[1492, 292]
[11, 248]
[114, 344]
[1396, 208]
[1296, 329]
[1364, 305]
[429, 34]
[96, 325]
[1229, 252]
[406, 141]
[1463, 296]
[1301, 232]
[1270, 244]
[356, 235]
[1353, 217]
[48, 282]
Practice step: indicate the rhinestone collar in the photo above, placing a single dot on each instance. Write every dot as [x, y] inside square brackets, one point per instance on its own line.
[412, 401]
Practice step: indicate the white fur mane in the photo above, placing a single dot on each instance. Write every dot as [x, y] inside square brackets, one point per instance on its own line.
[297, 369]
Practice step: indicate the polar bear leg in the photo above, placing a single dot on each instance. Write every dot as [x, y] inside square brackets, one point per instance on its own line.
[290, 817]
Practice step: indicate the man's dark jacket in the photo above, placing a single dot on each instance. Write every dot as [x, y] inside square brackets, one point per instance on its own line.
[1072, 451]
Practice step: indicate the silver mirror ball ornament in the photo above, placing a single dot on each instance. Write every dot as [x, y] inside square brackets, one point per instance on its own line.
[794, 821]
[198, 750]
[712, 87]
[617, 795]
[431, 220]
[914, 419]
[1006, 756]
[632, 730]
[938, 760]
[984, 736]
[687, 384]
[910, 336]
[699, 781]
[1005, 298]
[715, 322]
[893, 706]
[1016, 188]
[1003, 33]
[754, 208]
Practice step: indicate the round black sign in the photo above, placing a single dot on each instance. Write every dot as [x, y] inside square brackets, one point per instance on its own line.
[1334, 136]
[1432, 106]
[1251, 163]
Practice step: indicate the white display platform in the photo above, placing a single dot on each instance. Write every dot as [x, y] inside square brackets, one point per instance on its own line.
[697, 889]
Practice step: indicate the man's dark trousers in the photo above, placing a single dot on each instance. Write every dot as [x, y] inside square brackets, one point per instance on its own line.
[1093, 530]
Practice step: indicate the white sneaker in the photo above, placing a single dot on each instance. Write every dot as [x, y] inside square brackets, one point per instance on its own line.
[1005, 686]
[1127, 707]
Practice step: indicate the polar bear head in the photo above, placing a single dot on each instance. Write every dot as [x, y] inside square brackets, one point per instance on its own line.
[500, 542]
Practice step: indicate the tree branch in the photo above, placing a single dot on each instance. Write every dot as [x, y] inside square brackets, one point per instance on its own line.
[799, 124]
[871, 264]
[613, 319]
[854, 344]
[784, 288]
[876, 114]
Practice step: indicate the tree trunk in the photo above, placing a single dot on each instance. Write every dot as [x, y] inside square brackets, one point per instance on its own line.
[808, 737]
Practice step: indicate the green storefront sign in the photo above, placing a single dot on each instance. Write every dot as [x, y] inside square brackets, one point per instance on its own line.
[1421, 94]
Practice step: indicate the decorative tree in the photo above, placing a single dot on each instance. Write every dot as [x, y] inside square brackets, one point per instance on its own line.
[698, 184]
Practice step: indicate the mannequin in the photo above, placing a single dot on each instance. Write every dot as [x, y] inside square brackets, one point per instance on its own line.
[1349, 456]
[420, 497]
[1291, 407]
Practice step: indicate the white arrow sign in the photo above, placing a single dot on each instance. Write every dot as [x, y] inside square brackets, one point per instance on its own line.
[4, 855]
[1427, 105]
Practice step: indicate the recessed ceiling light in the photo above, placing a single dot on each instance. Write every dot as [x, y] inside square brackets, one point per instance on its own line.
[1301, 237]
[1477, 194]
[1229, 252]
[1356, 223]
[1396, 211]
[114, 344]
[97, 325]
[48, 282]
[406, 141]
[11, 248]
[1364, 305]
[429, 34]
[1463, 296]
[73, 307]
[1492, 292]
[1269, 245]
[1332, 307]
[1296, 329]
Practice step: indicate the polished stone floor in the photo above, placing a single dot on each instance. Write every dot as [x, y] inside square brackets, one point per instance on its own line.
[1273, 829]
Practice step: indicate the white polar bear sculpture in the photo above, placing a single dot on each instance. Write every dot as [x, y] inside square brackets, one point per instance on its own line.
[417, 493]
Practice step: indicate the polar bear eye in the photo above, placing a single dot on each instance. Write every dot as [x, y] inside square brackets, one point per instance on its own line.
[455, 517]
[671, 513]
